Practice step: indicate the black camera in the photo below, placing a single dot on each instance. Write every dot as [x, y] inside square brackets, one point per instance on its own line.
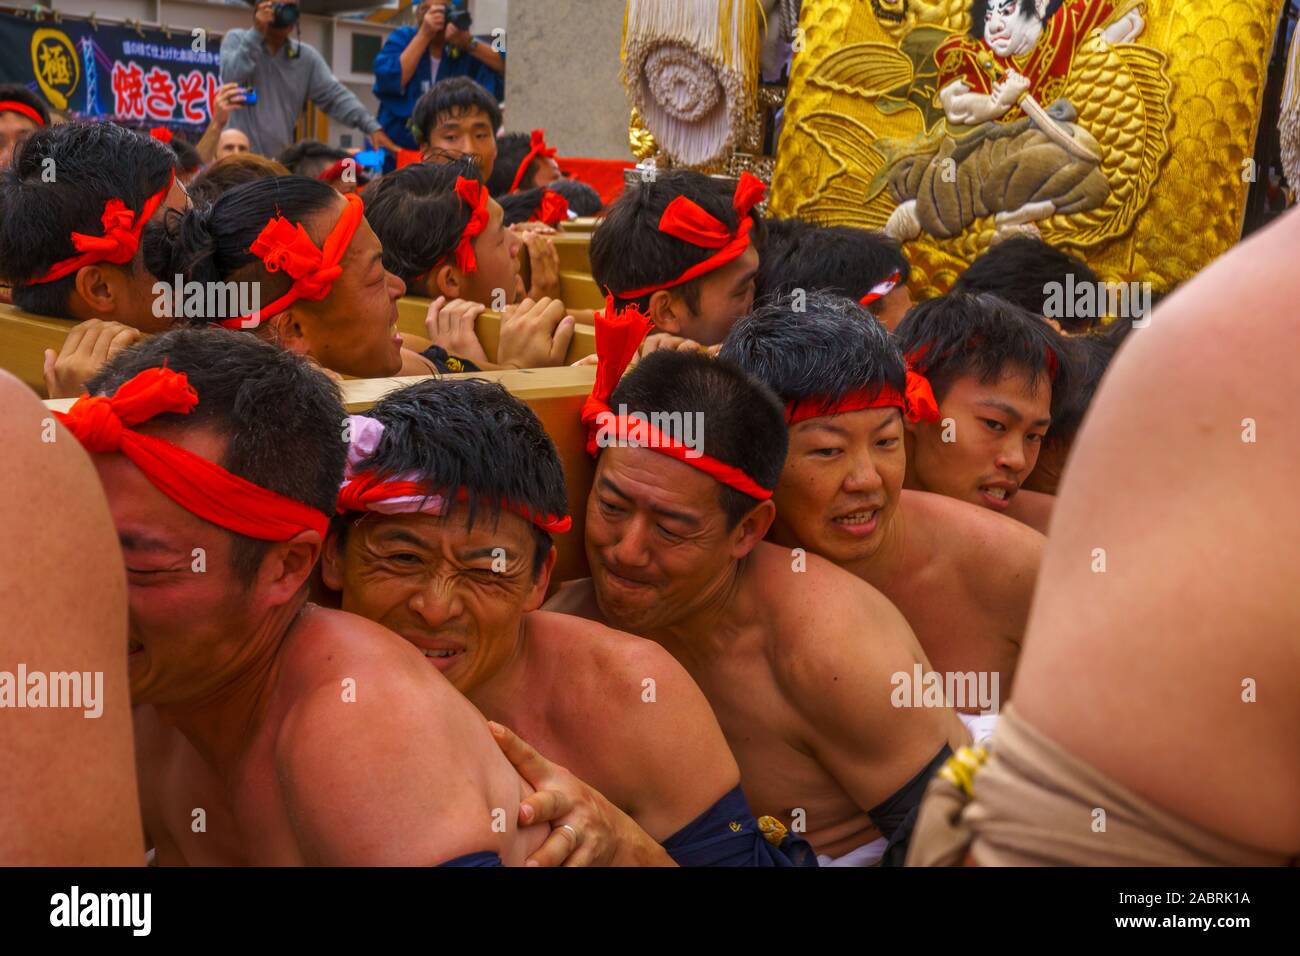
[285, 14]
[458, 15]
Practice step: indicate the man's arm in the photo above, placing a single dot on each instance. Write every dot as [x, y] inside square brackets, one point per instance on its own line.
[239, 49]
[396, 777]
[334, 98]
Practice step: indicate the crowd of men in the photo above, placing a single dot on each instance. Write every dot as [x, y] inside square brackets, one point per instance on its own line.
[836, 613]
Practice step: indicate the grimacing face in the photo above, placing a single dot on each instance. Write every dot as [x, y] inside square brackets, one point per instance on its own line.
[657, 538]
[456, 593]
[840, 486]
[997, 431]
[1009, 31]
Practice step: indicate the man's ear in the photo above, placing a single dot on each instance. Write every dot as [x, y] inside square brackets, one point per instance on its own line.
[752, 528]
[286, 329]
[538, 594]
[287, 566]
[99, 292]
[667, 311]
[331, 562]
[447, 280]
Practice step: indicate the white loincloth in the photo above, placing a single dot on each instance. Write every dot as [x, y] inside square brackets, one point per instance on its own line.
[868, 854]
[980, 726]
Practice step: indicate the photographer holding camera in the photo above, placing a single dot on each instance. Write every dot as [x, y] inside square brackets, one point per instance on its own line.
[281, 76]
[414, 58]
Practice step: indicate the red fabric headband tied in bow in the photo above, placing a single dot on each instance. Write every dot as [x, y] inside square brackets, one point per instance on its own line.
[685, 220]
[162, 134]
[474, 195]
[284, 245]
[618, 335]
[881, 289]
[917, 402]
[117, 244]
[103, 425]
[537, 150]
[13, 106]
[552, 210]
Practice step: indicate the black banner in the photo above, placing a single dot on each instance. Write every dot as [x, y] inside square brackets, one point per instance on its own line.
[144, 78]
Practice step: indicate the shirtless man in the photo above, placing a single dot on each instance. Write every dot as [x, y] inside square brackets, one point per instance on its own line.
[681, 248]
[962, 576]
[1163, 690]
[68, 786]
[462, 583]
[795, 655]
[90, 180]
[268, 730]
[999, 374]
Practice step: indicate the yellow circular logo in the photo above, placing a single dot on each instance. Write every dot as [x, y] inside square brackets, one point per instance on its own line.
[55, 63]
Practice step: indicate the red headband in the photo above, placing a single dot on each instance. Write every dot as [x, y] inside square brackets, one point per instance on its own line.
[685, 220]
[917, 402]
[162, 134]
[552, 210]
[201, 487]
[365, 490]
[335, 171]
[285, 245]
[473, 195]
[119, 242]
[13, 106]
[618, 335]
[881, 289]
[537, 150]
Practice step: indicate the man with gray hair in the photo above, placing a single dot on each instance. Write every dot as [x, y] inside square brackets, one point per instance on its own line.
[962, 576]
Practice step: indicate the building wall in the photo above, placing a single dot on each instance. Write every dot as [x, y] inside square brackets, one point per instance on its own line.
[562, 76]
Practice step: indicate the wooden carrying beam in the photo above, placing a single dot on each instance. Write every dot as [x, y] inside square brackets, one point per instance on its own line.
[410, 321]
[574, 252]
[24, 337]
[556, 396]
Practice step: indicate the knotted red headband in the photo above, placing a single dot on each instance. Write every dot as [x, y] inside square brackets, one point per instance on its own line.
[335, 171]
[119, 242]
[370, 491]
[881, 289]
[537, 150]
[162, 134]
[552, 210]
[13, 106]
[917, 402]
[685, 220]
[103, 425]
[618, 335]
[284, 245]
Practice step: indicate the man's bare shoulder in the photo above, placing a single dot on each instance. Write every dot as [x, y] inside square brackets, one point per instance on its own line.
[577, 598]
[1033, 509]
[972, 539]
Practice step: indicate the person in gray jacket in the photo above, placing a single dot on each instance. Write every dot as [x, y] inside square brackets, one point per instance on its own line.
[286, 75]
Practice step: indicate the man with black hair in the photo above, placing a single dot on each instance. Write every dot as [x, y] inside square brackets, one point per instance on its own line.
[451, 497]
[962, 577]
[794, 654]
[329, 164]
[1000, 375]
[866, 266]
[21, 114]
[288, 723]
[96, 180]
[443, 235]
[1023, 270]
[286, 74]
[414, 58]
[583, 200]
[455, 119]
[684, 249]
[523, 162]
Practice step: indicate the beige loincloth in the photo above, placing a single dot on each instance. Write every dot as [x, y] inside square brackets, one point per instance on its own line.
[1034, 805]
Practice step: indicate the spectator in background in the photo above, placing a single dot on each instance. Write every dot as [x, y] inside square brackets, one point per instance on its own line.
[415, 58]
[286, 75]
[520, 149]
[455, 119]
[229, 97]
[232, 142]
[21, 114]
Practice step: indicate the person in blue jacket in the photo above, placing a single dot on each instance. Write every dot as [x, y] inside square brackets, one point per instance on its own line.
[414, 58]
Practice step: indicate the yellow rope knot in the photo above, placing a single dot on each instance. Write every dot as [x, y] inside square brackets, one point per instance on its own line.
[773, 830]
[960, 769]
